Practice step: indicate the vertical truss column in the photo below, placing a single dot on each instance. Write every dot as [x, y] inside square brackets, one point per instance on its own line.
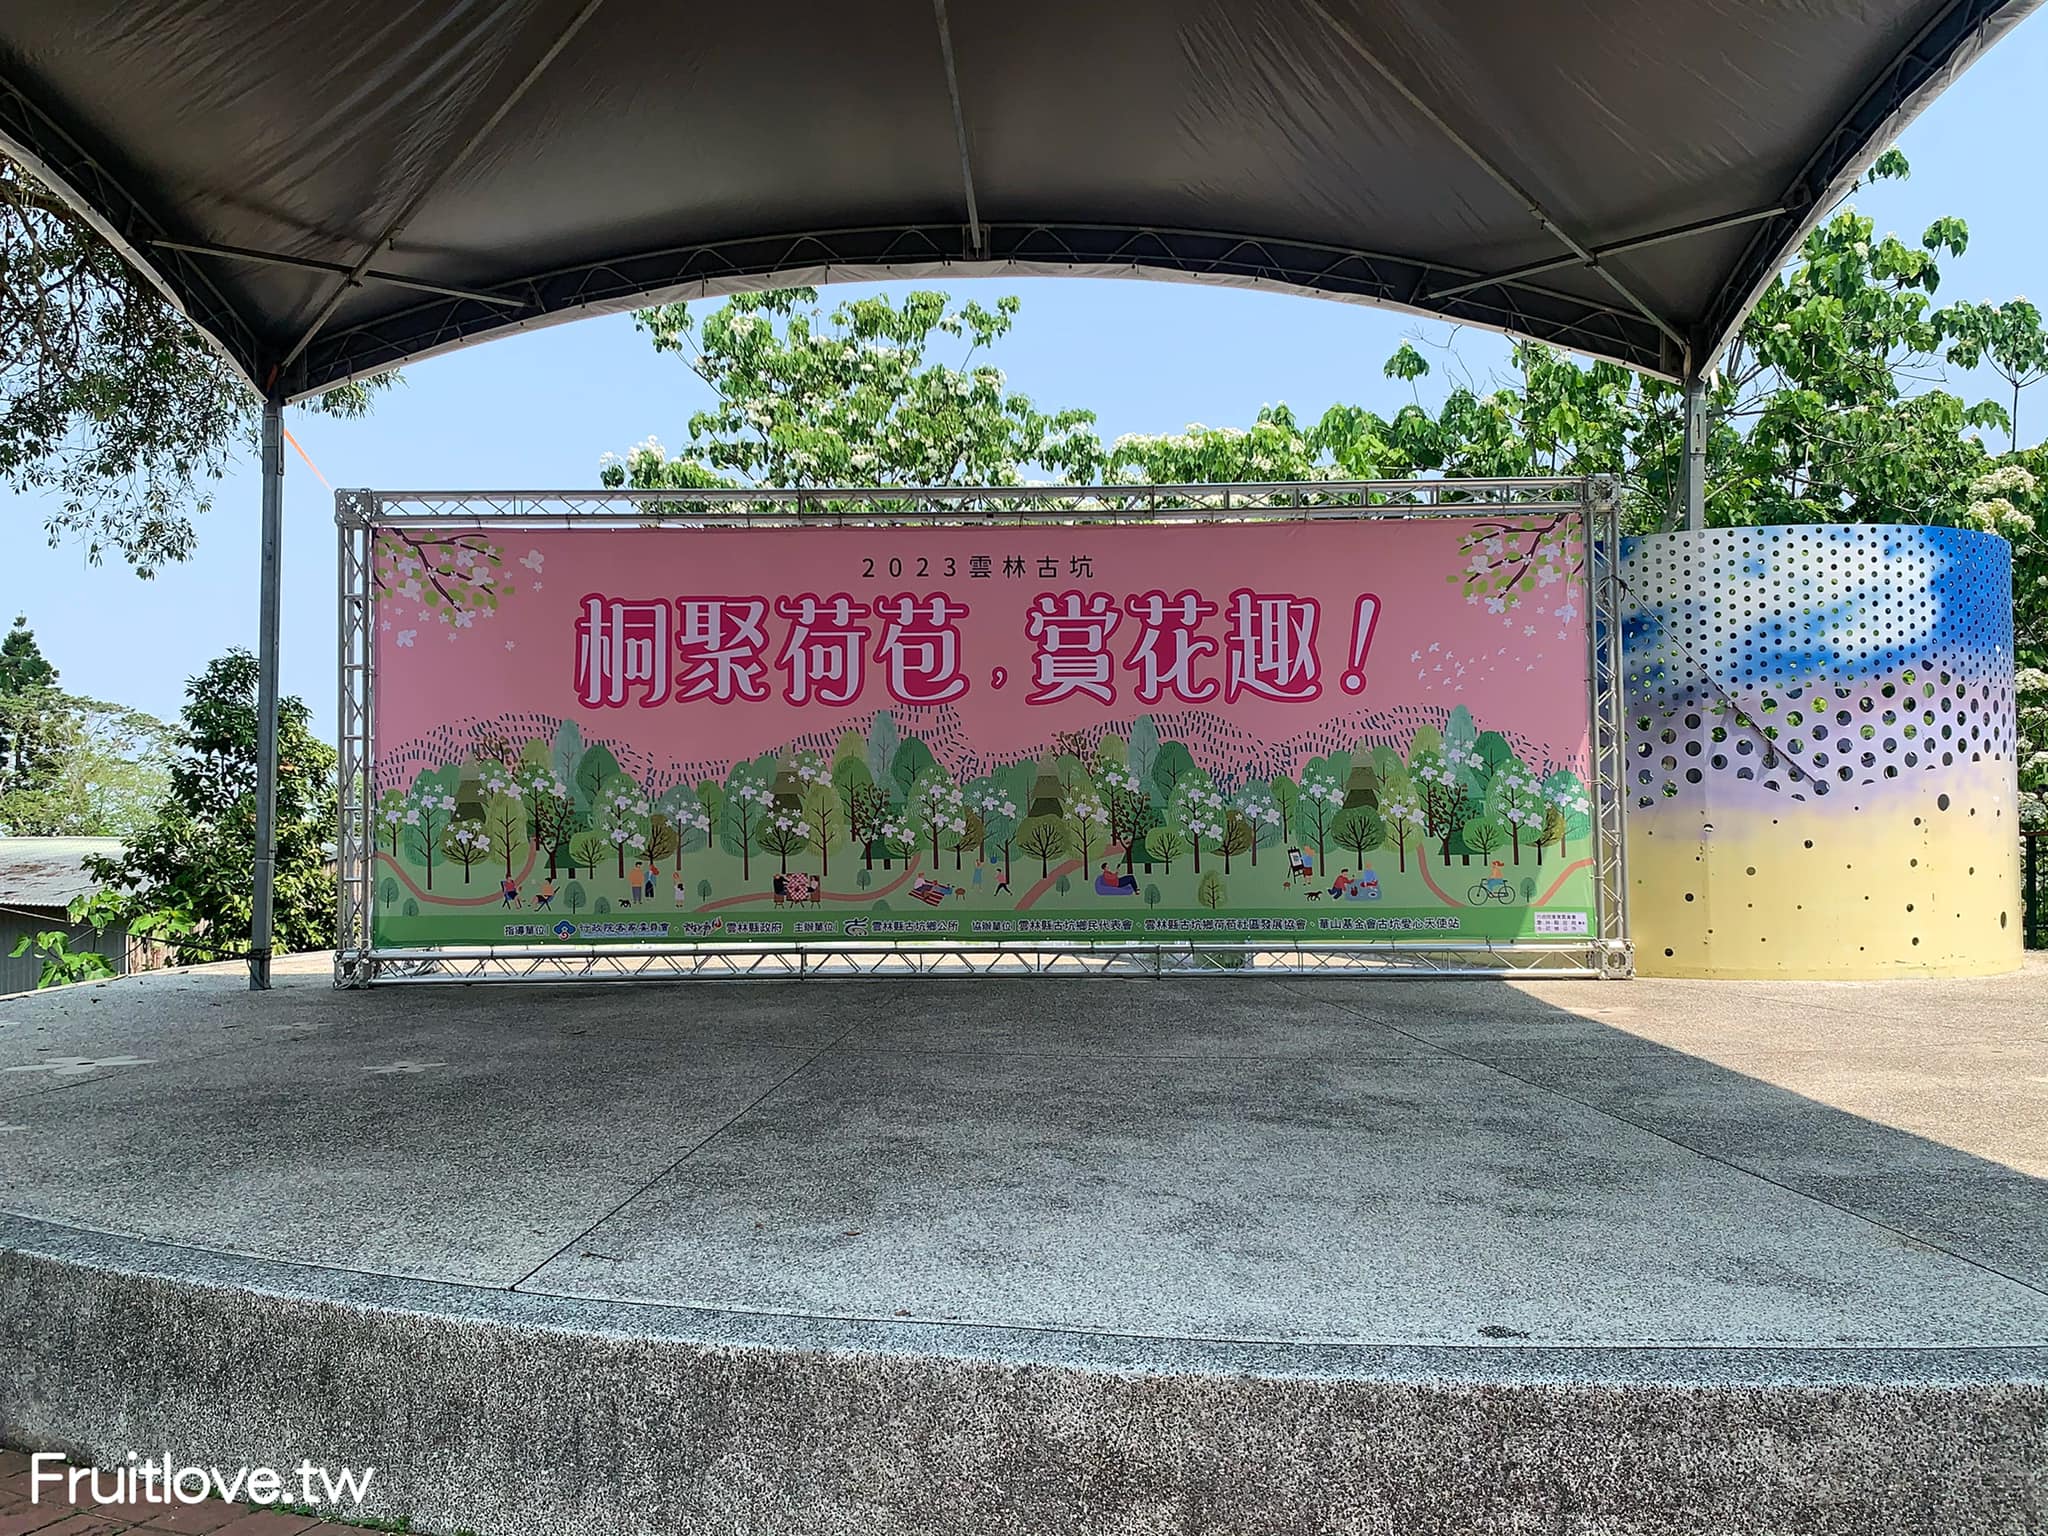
[1616, 953]
[355, 845]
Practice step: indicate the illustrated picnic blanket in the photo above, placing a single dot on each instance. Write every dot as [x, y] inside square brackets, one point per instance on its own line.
[930, 892]
[798, 887]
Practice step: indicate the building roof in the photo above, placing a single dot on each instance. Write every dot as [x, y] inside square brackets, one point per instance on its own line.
[334, 187]
[48, 871]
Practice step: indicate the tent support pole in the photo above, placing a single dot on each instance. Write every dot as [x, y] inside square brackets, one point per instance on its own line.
[265, 869]
[1695, 473]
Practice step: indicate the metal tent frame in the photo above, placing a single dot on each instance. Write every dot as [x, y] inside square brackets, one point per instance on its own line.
[1606, 953]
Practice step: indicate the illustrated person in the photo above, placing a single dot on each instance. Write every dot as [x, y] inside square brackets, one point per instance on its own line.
[1343, 883]
[979, 866]
[509, 889]
[1109, 882]
[547, 894]
[639, 878]
[1003, 883]
[653, 874]
[682, 895]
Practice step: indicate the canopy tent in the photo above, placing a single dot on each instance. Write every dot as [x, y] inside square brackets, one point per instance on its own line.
[338, 186]
[335, 187]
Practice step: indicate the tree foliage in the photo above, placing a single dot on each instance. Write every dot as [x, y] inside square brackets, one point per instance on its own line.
[111, 404]
[193, 860]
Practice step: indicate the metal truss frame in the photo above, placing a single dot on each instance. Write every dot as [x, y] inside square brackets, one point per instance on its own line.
[1606, 953]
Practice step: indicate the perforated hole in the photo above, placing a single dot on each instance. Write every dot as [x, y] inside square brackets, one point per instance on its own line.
[1792, 641]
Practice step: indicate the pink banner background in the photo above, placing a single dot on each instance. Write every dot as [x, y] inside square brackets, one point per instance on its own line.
[481, 625]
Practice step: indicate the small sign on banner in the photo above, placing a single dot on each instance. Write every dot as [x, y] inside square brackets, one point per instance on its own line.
[1562, 922]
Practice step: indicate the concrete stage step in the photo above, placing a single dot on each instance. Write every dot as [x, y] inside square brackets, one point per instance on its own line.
[1288, 1256]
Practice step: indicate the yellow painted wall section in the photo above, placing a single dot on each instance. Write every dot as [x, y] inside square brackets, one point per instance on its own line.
[1912, 881]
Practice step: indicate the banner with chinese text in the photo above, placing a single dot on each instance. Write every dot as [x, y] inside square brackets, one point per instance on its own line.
[1281, 731]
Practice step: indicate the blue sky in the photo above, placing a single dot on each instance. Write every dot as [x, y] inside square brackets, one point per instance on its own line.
[539, 410]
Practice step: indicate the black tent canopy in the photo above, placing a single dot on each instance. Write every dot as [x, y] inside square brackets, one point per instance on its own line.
[330, 187]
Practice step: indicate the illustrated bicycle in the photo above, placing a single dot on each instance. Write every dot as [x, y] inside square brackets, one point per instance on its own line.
[1502, 891]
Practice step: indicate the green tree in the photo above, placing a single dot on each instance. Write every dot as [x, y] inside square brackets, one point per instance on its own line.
[465, 842]
[193, 860]
[113, 409]
[1360, 830]
[574, 896]
[852, 396]
[1210, 891]
[1043, 838]
[1483, 835]
[1152, 896]
[96, 769]
[1165, 844]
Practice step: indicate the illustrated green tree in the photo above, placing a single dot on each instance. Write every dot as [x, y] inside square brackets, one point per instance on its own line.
[1567, 795]
[1359, 831]
[1441, 789]
[783, 833]
[551, 810]
[746, 801]
[1152, 896]
[504, 812]
[1286, 796]
[1127, 801]
[1164, 844]
[1172, 763]
[429, 808]
[1261, 814]
[1141, 754]
[1088, 824]
[864, 808]
[882, 741]
[913, 760]
[587, 850]
[388, 819]
[935, 803]
[191, 862]
[803, 396]
[823, 814]
[969, 836]
[689, 821]
[114, 412]
[618, 808]
[1320, 799]
[663, 842]
[1515, 800]
[1238, 838]
[1402, 815]
[995, 810]
[465, 842]
[1210, 892]
[1197, 813]
[1484, 835]
[574, 896]
[1043, 838]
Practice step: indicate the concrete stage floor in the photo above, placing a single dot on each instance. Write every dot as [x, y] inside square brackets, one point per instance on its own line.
[1665, 1186]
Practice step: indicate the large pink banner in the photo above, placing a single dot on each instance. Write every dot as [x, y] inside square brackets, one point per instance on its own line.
[1320, 728]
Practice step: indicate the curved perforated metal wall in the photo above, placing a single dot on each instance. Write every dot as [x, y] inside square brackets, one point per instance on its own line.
[1821, 751]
